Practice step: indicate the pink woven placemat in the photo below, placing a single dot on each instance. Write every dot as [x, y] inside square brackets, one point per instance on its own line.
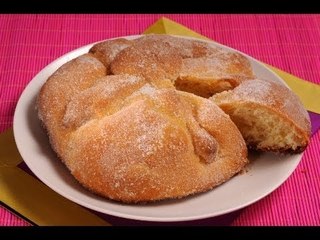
[290, 42]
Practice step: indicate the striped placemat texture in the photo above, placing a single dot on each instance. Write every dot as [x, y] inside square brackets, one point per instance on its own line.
[290, 42]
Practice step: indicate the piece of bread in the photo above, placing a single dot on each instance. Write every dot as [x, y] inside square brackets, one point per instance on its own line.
[268, 114]
[125, 139]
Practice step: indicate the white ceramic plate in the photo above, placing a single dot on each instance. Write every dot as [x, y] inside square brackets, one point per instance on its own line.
[266, 172]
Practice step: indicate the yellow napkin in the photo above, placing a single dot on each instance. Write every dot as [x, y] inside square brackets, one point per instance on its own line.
[31, 198]
[37, 202]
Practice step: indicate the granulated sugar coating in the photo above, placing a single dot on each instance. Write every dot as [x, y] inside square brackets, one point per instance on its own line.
[116, 119]
[145, 153]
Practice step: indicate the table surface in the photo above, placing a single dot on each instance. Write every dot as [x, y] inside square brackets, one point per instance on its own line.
[290, 42]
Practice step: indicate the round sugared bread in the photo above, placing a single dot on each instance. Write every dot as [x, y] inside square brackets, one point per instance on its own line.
[131, 121]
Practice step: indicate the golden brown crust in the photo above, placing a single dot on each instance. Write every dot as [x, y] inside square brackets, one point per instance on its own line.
[185, 48]
[150, 58]
[70, 79]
